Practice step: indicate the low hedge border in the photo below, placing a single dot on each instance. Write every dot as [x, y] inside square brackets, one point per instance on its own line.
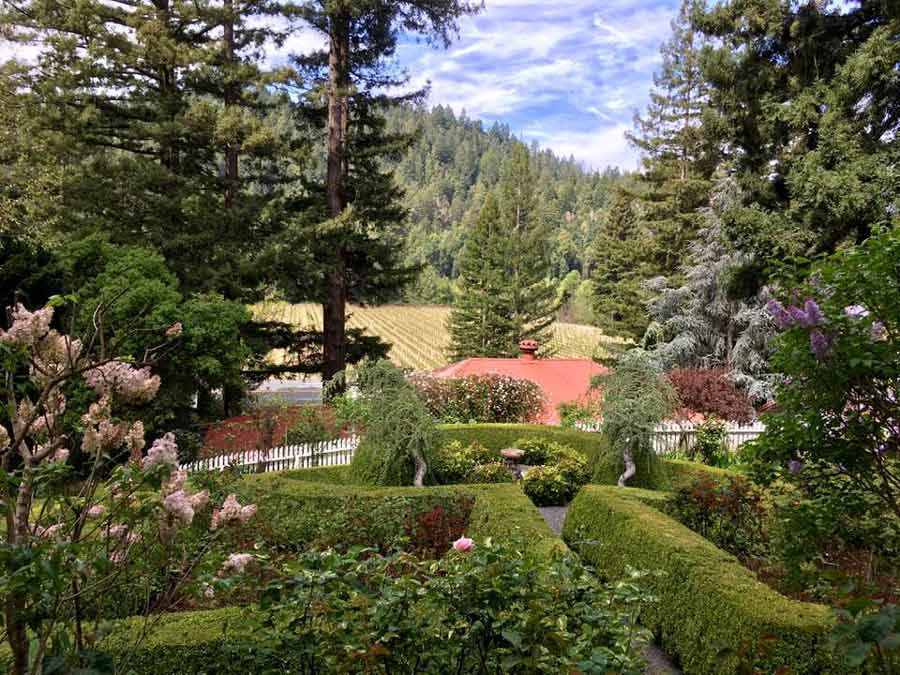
[205, 641]
[712, 613]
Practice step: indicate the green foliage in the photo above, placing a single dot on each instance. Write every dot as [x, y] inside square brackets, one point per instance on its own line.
[730, 513]
[481, 398]
[785, 82]
[709, 440]
[712, 613]
[453, 462]
[491, 472]
[868, 631]
[636, 397]
[309, 427]
[548, 486]
[836, 400]
[400, 434]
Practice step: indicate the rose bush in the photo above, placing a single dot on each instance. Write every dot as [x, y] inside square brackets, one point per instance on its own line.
[481, 398]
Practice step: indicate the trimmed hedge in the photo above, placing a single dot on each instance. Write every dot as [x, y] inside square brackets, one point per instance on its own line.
[712, 612]
[216, 641]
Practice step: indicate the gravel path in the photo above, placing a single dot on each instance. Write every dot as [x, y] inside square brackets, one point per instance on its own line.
[657, 662]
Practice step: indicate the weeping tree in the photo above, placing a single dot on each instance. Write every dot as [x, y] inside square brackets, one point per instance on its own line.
[399, 432]
[636, 397]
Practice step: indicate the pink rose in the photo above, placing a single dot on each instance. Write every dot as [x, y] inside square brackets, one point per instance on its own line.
[463, 544]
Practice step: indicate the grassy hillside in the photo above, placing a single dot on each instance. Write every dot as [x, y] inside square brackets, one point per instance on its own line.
[418, 333]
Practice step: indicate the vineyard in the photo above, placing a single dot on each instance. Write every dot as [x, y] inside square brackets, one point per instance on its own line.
[418, 333]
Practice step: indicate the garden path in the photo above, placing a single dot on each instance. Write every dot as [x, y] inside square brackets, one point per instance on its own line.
[657, 662]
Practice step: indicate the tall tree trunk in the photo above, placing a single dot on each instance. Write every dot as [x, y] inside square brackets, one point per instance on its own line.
[334, 305]
[230, 96]
[630, 468]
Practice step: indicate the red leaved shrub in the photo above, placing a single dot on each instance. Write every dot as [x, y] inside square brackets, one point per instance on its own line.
[709, 391]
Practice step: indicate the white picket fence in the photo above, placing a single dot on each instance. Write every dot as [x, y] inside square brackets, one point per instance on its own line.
[282, 458]
[671, 437]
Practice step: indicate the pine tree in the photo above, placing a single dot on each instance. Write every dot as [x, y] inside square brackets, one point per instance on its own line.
[677, 156]
[805, 99]
[361, 39]
[480, 323]
[620, 269]
[143, 103]
[531, 293]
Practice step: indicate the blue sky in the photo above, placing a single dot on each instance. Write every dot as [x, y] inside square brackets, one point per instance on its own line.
[567, 73]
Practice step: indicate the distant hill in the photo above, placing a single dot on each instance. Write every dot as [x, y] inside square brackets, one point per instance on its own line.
[417, 332]
[454, 162]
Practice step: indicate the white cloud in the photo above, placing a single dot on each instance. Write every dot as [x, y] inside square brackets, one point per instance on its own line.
[606, 146]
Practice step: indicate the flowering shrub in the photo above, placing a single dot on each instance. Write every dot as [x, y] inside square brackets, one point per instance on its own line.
[839, 353]
[482, 608]
[709, 445]
[711, 392]
[65, 549]
[481, 398]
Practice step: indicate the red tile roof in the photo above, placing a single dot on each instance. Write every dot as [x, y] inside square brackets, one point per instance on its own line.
[563, 380]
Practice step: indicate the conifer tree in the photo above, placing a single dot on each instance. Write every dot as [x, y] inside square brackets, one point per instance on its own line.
[531, 293]
[480, 322]
[143, 102]
[362, 38]
[620, 267]
[678, 159]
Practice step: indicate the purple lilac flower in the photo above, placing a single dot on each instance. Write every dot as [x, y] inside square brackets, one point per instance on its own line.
[798, 316]
[856, 311]
[819, 343]
[813, 314]
[878, 332]
[779, 314]
[795, 466]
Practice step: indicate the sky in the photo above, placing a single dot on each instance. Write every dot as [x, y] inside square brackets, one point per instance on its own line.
[569, 74]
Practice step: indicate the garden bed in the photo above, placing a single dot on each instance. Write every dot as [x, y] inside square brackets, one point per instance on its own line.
[713, 614]
[204, 641]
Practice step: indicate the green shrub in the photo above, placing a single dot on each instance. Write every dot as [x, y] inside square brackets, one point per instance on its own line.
[498, 436]
[652, 471]
[730, 513]
[449, 464]
[486, 610]
[492, 472]
[309, 427]
[209, 641]
[709, 445]
[537, 450]
[712, 612]
[547, 486]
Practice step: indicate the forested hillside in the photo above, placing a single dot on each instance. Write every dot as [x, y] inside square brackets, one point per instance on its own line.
[454, 162]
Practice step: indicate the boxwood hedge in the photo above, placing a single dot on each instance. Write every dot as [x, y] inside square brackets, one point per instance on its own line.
[712, 613]
[205, 641]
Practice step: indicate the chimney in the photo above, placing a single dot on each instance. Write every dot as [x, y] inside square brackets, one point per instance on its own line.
[528, 350]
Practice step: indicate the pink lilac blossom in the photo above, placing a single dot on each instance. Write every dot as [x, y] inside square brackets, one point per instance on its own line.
[181, 506]
[96, 511]
[174, 330]
[134, 439]
[463, 544]
[53, 356]
[856, 311]
[135, 385]
[4, 438]
[231, 512]
[61, 455]
[27, 327]
[208, 591]
[236, 563]
[164, 451]
[52, 532]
